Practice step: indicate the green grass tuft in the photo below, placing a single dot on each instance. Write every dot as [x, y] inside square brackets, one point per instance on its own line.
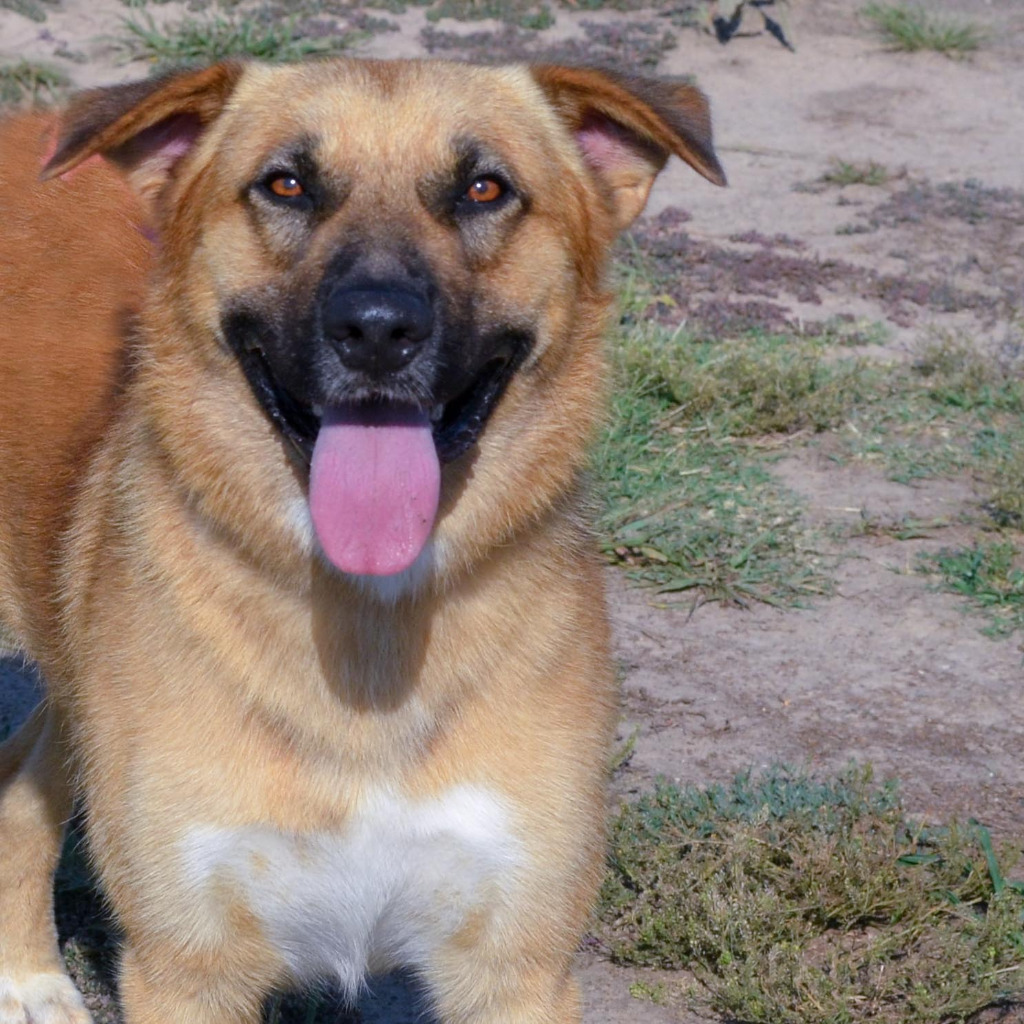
[216, 36]
[990, 576]
[912, 28]
[799, 901]
[28, 82]
[845, 172]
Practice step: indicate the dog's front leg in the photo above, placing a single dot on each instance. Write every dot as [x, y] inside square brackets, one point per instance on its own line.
[540, 999]
[35, 801]
[517, 988]
[161, 986]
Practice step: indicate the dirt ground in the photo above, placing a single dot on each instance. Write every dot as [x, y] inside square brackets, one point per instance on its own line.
[887, 670]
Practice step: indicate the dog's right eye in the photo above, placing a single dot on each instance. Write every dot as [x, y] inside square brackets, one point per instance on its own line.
[484, 190]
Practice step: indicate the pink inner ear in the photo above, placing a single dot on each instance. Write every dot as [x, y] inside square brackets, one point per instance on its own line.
[162, 145]
[607, 146]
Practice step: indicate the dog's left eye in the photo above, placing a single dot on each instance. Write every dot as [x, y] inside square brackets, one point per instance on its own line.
[286, 188]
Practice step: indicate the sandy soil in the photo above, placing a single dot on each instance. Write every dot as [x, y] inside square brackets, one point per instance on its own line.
[887, 670]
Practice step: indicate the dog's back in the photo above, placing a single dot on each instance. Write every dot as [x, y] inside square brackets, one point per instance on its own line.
[76, 246]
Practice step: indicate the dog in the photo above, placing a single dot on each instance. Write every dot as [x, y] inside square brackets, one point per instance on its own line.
[300, 365]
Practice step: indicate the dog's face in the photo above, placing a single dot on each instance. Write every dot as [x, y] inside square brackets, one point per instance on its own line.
[388, 249]
[377, 245]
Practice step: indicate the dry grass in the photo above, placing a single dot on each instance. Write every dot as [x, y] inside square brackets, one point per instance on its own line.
[798, 901]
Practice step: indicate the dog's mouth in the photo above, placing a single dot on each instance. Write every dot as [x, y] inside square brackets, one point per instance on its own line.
[375, 461]
[459, 422]
[455, 424]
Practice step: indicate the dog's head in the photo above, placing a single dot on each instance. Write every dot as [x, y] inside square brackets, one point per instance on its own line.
[405, 262]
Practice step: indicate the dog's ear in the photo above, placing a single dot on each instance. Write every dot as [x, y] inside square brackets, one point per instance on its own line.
[143, 128]
[627, 127]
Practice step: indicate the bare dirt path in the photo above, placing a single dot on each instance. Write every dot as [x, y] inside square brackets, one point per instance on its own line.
[887, 670]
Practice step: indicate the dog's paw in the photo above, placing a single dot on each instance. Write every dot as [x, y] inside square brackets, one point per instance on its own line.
[49, 998]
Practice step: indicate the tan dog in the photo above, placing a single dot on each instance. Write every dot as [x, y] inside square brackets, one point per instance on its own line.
[298, 378]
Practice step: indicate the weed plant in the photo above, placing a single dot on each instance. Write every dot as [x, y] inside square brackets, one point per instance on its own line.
[991, 578]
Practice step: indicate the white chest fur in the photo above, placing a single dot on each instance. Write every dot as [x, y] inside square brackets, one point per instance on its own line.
[390, 888]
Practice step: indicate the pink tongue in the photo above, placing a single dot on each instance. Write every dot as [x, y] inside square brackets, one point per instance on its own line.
[373, 487]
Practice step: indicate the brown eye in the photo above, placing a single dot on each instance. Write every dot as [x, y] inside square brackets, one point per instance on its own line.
[485, 190]
[286, 186]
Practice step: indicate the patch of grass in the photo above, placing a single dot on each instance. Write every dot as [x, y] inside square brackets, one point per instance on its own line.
[690, 502]
[846, 172]
[957, 375]
[523, 13]
[648, 993]
[621, 757]
[698, 414]
[912, 28]
[749, 386]
[991, 578]
[800, 901]
[685, 462]
[953, 410]
[28, 82]
[216, 36]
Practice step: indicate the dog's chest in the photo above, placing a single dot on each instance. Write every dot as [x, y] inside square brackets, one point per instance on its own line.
[398, 881]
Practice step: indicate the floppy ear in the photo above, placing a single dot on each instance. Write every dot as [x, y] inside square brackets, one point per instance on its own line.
[143, 128]
[627, 127]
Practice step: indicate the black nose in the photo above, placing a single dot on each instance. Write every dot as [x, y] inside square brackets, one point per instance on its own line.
[377, 330]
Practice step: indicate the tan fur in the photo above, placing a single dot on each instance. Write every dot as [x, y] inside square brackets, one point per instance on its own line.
[203, 667]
